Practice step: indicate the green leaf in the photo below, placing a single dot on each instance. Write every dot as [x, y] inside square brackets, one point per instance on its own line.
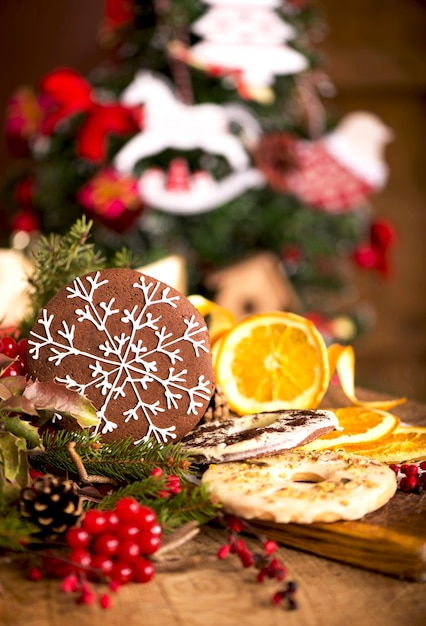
[23, 429]
[13, 466]
[53, 397]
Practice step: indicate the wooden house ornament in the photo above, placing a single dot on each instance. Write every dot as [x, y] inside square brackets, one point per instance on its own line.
[254, 285]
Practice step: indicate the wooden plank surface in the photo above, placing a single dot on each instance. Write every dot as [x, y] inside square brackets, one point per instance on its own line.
[209, 592]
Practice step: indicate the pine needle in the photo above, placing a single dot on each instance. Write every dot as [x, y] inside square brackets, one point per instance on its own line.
[122, 460]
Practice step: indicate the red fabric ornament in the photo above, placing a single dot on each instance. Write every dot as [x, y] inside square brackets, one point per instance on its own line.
[374, 255]
[23, 119]
[70, 94]
[112, 198]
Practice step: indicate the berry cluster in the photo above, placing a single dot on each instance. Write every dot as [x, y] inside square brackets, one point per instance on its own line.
[411, 476]
[113, 546]
[16, 350]
[172, 483]
[264, 562]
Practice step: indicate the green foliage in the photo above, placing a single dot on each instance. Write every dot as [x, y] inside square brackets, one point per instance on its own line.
[123, 460]
[13, 466]
[58, 259]
[130, 465]
[192, 503]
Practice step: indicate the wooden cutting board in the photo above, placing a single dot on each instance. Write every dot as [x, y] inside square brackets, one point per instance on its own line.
[391, 540]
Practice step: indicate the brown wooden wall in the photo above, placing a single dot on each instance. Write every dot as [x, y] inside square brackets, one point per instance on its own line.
[376, 56]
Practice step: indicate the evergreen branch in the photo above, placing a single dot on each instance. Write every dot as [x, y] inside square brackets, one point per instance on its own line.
[126, 259]
[122, 460]
[56, 261]
[193, 503]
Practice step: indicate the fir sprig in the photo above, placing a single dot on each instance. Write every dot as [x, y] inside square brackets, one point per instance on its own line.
[123, 461]
[57, 260]
[193, 503]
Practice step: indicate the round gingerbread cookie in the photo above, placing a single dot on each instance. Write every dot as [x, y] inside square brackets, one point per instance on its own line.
[136, 347]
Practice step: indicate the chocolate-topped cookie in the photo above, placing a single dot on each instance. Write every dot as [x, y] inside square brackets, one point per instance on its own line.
[136, 347]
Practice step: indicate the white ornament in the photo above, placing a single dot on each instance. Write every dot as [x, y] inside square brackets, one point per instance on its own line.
[359, 143]
[168, 123]
[128, 363]
[203, 195]
[246, 41]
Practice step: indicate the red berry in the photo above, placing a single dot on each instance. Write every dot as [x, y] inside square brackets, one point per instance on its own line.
[121, 573]
[113, 521]
[246, 558]
[77, 538]
[14, 369]
[409, 469]
[127, 509]
[143, 571]
[127, 531]
[106, 544]
[128, 551]
[103, 564]
[69, 583]
[278, 597]
[80, 559]
[223, 552]
[235, 524]
[35, 574]
[408, 483]
[23, 348]
[157, 472]
[105, 601]
[270, 546]
[8, 347]
[146, 517]
[148, 543]
[88, 596]
[94, 522]
[423, 465]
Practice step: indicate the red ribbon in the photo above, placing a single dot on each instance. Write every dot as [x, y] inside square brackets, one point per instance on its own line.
[68, 94]
[375, 254]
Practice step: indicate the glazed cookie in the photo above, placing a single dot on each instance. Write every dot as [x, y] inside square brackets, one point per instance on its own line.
[253, 435]
[302, 487]
[136, 347]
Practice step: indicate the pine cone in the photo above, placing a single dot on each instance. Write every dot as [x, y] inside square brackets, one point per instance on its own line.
[218, 408]
[53, 504]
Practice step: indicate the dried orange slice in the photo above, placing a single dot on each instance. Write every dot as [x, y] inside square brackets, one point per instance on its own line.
[360, 425]
[219, 320]
[272, 361]
[405, 443]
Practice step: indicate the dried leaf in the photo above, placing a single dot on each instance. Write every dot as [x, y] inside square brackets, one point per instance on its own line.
[5, 361]
[12, 386]
[55, 398]
[13, 466]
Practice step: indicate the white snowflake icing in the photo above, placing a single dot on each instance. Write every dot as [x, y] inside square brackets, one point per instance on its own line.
[127, 363]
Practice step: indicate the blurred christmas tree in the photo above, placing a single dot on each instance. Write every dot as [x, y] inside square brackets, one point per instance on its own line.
[204, 134]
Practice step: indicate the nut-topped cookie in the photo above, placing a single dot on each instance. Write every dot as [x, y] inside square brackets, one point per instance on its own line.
[136, 347]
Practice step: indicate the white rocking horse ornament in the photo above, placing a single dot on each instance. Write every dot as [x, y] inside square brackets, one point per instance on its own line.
[168, 123]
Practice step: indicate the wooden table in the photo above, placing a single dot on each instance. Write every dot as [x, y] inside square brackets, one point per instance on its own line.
[220, 593]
